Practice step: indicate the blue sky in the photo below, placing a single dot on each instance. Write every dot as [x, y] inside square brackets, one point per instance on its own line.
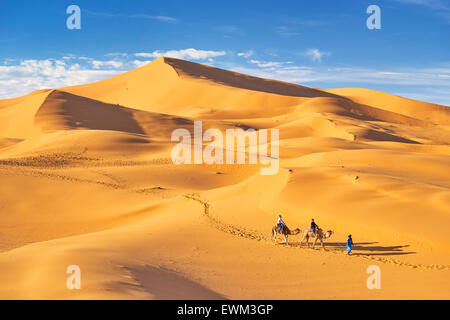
[320, 43]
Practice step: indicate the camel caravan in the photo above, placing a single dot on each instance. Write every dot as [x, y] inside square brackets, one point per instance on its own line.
[313, 232]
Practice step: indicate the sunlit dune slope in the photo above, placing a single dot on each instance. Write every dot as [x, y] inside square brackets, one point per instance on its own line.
[17, 115]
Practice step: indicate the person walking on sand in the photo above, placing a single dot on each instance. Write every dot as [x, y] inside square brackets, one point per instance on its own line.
[349, 244]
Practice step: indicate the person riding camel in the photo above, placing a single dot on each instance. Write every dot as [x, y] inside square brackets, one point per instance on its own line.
[280, 223]
[314, 228]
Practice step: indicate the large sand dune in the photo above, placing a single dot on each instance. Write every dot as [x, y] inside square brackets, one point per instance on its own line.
[87, 179]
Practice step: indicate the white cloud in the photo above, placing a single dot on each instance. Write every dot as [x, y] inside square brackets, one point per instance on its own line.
[166, 19]
[140, 63]
[266, 64]
[116, 54]
[160, 18]
[30, 75]
[246, 54]
[109, 64]
[186, 54]
[74, 57]
[270, 64]
[316, 55]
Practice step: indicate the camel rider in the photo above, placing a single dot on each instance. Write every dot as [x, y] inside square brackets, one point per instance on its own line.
[314, 227]
[280, 223]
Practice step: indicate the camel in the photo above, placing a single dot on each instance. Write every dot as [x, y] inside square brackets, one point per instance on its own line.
[286, 232]
[319, 236]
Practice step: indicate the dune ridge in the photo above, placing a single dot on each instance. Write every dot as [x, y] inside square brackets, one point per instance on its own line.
[87, 179]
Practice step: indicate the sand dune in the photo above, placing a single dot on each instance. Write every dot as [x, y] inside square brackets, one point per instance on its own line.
[88, 180]
[412, 108]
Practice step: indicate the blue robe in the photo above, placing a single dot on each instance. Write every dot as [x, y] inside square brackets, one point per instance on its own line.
[349, 245]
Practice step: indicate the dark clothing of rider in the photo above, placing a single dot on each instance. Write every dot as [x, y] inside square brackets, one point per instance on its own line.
[314, 227]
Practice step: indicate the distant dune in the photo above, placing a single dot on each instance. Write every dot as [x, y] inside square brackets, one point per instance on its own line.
[87, 179]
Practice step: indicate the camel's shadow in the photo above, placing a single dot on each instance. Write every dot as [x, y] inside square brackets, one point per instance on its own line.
[368, 248]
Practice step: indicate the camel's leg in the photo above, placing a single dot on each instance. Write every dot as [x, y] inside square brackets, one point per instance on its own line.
[286, 239]
[274, 235]
[301, 241]
[307, 241]
[315, 241]
[321, 241]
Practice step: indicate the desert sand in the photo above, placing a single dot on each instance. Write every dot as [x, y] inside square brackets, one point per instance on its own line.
[87, 179]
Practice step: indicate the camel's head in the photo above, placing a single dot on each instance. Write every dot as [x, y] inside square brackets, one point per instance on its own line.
[296, 231]
[329, 233]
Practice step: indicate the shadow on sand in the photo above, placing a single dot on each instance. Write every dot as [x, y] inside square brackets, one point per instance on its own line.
[367, 248]
[371, 249]
[238, 80]
[163, 284]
